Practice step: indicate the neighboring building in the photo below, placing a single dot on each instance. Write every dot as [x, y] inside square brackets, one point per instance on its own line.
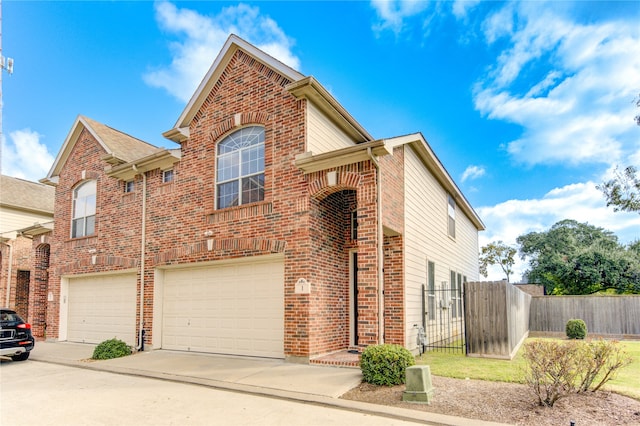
[279, 227]
[26, 209]
[532, 289]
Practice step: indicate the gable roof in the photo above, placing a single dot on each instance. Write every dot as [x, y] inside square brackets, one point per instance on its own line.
[310, 163]
[301, 86]
[119, 147]
[26, 195]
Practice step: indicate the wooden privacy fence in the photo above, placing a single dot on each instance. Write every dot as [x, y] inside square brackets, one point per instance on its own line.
[604, 315]
[496, 318]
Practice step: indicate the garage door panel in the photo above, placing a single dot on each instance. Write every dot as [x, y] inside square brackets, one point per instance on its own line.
[101, 308]
[225, 307]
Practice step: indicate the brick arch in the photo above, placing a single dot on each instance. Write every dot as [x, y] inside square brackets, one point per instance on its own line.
[320, 189]
[236, 122]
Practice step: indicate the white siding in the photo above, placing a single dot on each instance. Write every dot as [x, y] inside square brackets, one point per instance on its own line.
[13, 219]
[322, 134]
[426, 237]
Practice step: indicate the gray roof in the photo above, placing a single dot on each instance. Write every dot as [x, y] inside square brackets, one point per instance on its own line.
[24, 194]
[121, 145]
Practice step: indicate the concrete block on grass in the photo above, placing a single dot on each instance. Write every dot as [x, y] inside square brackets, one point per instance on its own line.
[419, 389]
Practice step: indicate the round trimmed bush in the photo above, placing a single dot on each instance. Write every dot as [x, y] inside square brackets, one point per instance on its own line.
[576, 329]
[385, 364]
[112, 348]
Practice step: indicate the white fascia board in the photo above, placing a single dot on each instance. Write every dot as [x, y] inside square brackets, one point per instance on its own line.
[67, 146]
[232, 44]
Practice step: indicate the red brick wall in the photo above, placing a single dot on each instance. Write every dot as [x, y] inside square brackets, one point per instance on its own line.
[392, 172]
[331, 242]
[40, 286]
[116, 243]
[287, 221]
[394, 306]
[19, 250]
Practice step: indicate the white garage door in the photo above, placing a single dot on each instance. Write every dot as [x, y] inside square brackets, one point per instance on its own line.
[235, 309]
[101, 308]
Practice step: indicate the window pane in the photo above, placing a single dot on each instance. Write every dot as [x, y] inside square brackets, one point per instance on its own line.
[228, 194]
[77, 228]
[240, 168]
[253, 160]
[228, 167]
[90, 205]
[90, 225]
[78, 207]
[253, 189]
[432, 291]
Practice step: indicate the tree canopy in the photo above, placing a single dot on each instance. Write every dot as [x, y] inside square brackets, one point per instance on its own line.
[623, 191]
[497, 253]
[578, 258]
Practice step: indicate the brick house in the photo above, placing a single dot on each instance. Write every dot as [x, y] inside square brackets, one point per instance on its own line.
[26, 212]
[278, 227]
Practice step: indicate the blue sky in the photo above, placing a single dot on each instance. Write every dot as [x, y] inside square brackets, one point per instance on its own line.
[528, 105]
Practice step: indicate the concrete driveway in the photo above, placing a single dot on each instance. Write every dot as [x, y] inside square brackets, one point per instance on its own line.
[213, 370]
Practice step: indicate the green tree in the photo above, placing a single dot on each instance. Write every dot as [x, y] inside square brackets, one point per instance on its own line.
[623, 191]
[578, 258]
[497, 253]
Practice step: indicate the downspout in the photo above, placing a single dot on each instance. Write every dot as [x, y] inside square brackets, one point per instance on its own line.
[380, 249]
[143, 243]
[10, 272]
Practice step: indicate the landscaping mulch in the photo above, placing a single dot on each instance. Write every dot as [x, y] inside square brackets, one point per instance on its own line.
[508, 403]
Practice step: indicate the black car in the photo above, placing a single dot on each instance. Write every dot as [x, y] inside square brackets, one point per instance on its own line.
[16, 340]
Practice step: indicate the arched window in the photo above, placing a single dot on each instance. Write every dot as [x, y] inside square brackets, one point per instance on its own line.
[240, 168]
[84, 210]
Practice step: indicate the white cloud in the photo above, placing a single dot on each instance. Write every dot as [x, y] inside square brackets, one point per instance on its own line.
[473, 172]
[393, 13]
[202, 37]
[580, 110]
[23, 156]
[461, 8]
[581, 202]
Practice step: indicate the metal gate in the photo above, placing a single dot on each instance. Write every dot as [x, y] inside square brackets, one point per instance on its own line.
[443, 318]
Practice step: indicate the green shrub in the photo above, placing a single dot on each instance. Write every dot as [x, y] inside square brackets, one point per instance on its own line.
[556, 369]
[576, 329]
[112, 348]
[385, 364]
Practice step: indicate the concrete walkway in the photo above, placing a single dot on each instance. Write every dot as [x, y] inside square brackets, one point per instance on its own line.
[274, 378]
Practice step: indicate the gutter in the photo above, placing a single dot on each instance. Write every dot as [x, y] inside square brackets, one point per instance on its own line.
[143, 243]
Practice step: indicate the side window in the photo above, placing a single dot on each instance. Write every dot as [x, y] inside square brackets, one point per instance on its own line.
[129, 186]
[451, 212]
[84, 210]
[354, 225]
[240, 168]
[454, 293]
[431, 290]
[167, 176]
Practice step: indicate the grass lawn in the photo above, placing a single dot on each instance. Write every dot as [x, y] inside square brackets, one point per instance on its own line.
[459, 366]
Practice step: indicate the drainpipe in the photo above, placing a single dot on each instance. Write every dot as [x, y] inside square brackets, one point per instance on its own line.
[380, 249]
[143, 243]
[10, 272]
